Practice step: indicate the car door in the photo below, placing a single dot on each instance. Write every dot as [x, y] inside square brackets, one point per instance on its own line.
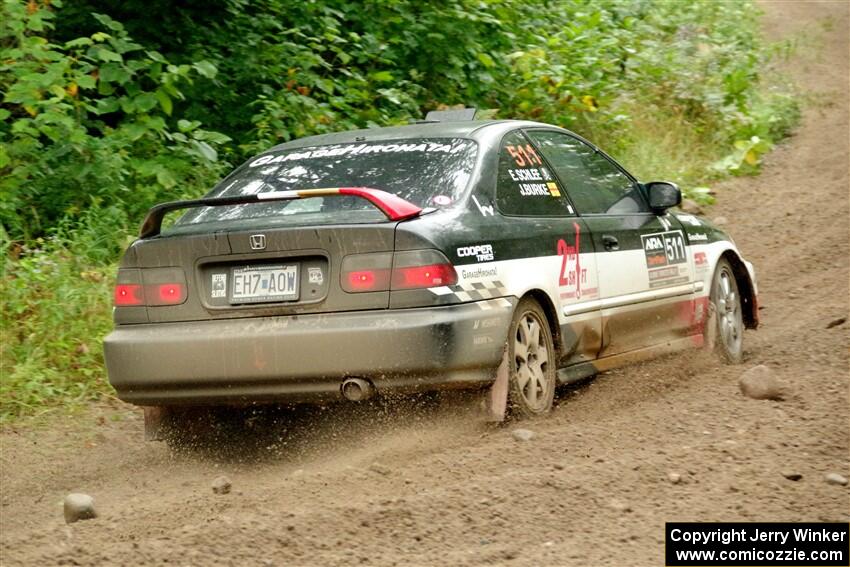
[549, 245]
[645, 275]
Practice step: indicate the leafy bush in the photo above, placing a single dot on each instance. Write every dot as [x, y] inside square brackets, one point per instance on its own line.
[87, 121]
[666, 90]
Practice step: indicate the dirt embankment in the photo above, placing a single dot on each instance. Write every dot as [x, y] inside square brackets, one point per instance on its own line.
[438, 487]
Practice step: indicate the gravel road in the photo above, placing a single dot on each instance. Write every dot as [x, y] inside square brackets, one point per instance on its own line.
[671, 440]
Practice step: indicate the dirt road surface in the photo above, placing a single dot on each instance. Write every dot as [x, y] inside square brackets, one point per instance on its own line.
[440, 487]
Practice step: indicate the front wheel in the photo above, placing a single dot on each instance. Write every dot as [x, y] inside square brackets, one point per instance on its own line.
[531, 358]
[728, 317]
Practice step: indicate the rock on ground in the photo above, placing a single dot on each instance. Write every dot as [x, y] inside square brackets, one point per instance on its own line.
[221, 485]
[380, 469]
[523, 434]
[619, 506]
[760, 383]
[79, 507]
[835, 478]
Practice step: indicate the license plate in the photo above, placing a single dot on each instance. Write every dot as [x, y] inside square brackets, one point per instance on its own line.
[257, 284]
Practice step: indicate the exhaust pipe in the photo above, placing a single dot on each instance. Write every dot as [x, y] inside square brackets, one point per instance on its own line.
[357, 389]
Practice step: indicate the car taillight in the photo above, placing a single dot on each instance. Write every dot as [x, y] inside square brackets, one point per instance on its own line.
[151, 287]
[407, 269]
[171, 293]
[366, 272]
[129, 294]
[367, 280]
[432, 275]
[418, 269]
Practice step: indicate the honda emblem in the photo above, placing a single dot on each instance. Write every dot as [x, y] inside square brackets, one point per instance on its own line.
[258, 242]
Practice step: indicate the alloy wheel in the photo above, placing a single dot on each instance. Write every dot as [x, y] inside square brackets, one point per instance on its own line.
[531, 359]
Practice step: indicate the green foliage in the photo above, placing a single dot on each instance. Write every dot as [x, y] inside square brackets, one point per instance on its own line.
[88, 121]
[638, 77]
[318, 67]
[108, 107]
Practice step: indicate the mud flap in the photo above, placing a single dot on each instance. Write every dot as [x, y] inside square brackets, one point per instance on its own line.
[497, 396]
[155, 417]
[711, 328]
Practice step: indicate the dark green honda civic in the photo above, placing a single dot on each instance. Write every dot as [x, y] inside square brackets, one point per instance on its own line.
[415, 258]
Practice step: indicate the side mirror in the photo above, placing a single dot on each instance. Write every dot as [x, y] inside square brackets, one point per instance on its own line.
[662, 195]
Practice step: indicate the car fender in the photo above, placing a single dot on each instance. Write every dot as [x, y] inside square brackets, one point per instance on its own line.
[705, 259]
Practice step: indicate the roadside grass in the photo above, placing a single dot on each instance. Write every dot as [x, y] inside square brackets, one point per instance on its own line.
[56, 309]
[666, 147]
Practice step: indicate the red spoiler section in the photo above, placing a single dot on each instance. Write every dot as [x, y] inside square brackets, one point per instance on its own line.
[393, 206]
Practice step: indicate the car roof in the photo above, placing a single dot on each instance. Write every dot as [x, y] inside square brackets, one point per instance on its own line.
[455, 129]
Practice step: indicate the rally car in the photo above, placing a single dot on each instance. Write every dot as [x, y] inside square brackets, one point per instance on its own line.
[418, 258]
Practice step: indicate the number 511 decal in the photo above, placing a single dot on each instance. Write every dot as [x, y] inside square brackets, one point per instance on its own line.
[664, 248]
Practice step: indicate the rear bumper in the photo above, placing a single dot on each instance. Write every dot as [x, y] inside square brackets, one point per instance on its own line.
[306, 357]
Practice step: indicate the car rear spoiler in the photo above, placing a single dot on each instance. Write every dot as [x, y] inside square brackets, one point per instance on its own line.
[393, 206]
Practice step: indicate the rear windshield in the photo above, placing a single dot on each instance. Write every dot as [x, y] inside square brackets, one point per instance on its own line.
[429, 172]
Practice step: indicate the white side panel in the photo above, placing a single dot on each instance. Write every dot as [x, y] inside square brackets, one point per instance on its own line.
[546, 273]
[624, 270]
[705, 258]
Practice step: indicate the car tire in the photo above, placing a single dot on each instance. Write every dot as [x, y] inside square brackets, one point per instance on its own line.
[727, 315]
[531, 359]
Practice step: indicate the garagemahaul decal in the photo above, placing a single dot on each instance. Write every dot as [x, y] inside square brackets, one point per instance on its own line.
[666, 259]
[479, 273]
[355, 150]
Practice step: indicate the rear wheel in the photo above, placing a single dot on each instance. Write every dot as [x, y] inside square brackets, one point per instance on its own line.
[728, 317]
[531, 355]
